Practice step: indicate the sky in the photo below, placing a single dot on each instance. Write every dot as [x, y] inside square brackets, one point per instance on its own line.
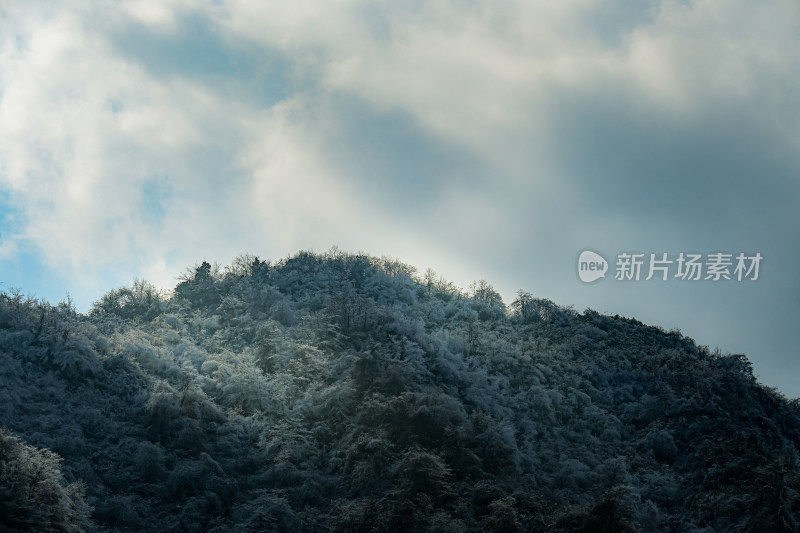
[484, 139]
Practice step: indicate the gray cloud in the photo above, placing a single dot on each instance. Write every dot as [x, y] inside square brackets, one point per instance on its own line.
[481, 139]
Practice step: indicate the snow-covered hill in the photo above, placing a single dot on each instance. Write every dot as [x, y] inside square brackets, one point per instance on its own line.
[343, 392]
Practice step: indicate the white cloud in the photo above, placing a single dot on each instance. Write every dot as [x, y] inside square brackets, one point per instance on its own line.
[85, 127]
[330, 27]
[694, 54]
[159, 13]
[485, 73]
[86, 130]
[293, 196]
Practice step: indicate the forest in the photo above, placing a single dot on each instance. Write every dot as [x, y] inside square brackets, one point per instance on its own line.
[349, 393]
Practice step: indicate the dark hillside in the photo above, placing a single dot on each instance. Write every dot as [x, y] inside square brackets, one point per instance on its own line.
[347, 393]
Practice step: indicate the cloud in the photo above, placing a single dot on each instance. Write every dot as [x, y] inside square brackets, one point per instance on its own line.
[151, 12]
[697, 53]
[88, 132]
[483, 139]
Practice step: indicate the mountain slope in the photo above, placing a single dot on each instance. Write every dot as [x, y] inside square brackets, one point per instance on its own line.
[341, 392]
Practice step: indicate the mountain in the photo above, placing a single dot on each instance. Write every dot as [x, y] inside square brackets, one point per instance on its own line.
[346, 393]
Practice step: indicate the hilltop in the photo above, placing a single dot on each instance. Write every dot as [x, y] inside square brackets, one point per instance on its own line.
[339, 392]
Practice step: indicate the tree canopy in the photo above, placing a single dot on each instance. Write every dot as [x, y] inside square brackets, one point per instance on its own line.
[344, 392]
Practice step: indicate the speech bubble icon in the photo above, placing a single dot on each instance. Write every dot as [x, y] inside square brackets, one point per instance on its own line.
[591, 266]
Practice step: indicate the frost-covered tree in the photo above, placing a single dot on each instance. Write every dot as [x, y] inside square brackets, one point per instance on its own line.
[33, 493]
[142, 301]
[341, 392]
